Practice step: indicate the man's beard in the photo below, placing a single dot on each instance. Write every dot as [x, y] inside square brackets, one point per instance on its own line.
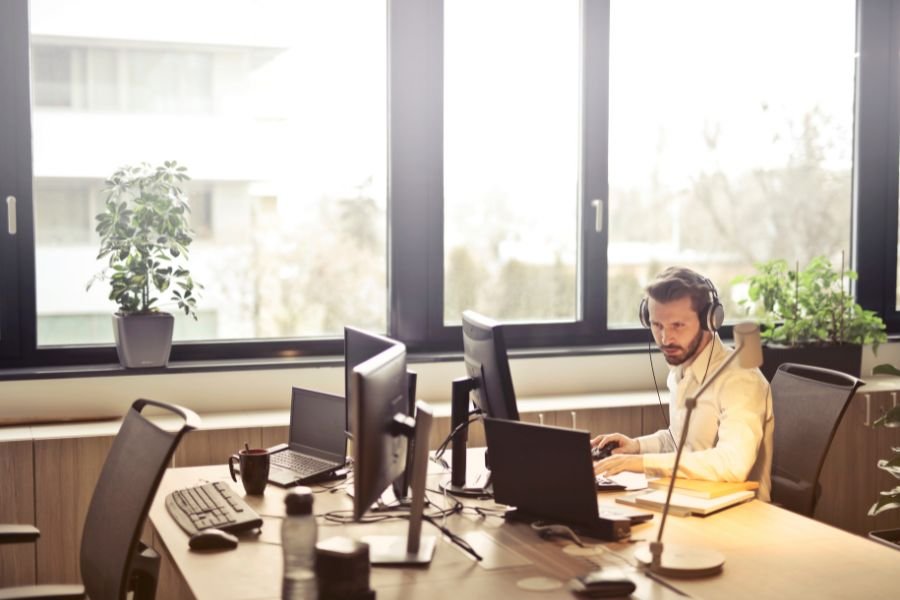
[689, 353]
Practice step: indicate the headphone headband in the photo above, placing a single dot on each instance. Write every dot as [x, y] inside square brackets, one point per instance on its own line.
[711, 316]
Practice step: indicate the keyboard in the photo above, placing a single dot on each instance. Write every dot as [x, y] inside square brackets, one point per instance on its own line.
[211, 505]
[301, 464]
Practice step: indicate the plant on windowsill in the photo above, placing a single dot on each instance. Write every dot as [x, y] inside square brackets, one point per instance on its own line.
[144, 235]
[808, 316]
[888, 499]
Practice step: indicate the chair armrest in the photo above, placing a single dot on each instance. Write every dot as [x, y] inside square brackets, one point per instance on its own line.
[43, 592]
[17, 534]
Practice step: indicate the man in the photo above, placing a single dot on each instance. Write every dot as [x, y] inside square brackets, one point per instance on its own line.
[730, 433]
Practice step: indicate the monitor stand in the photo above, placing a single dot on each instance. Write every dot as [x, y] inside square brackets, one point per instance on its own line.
[459, 423]
[414, 549]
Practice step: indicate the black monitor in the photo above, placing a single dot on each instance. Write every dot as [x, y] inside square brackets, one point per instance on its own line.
[380, 428]
[488, 385]
[360, 346]
[484, 351]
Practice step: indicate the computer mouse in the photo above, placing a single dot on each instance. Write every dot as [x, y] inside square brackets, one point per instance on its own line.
[598, 453]
[212, 539]
[603, 583]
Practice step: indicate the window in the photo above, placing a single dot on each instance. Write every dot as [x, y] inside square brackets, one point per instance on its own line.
[283, 132]
[739, 142]
[389, 164]
[511, 134]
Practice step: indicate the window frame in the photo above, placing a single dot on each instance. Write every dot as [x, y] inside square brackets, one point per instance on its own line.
[415, 196]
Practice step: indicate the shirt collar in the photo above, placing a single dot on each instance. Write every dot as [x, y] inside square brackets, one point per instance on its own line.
[703, 363]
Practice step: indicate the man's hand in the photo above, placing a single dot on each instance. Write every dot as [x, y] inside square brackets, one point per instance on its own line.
[626, 444]
[618, 463]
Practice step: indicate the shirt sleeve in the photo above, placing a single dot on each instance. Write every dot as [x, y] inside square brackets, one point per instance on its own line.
[742, 399]
[660, 441]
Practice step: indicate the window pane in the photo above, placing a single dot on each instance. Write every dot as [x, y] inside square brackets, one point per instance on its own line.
[511, 158]
[730, 139]
[277, 109]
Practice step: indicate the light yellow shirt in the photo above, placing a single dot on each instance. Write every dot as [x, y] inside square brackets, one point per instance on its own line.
[730, 433]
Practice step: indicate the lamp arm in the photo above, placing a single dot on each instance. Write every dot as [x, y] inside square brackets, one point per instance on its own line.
[690, 403]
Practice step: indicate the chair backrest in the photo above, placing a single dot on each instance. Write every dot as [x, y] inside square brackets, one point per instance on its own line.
[131, 474]
[808, 403]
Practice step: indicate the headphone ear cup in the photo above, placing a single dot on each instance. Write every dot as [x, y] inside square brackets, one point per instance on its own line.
[715, 315]
[644, 313]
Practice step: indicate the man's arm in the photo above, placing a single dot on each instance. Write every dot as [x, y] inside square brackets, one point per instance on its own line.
[742, 400]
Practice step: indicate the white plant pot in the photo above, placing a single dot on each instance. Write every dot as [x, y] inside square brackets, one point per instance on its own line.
[143, 341]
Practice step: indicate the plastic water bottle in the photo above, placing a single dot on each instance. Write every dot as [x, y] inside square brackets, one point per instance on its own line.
[298, 543]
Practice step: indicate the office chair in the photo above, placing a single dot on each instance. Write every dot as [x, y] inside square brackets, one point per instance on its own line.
[808, 403]
[113, 560]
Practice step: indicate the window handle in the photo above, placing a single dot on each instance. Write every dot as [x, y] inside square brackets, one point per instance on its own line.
[598, 215]
[573, 420]
[11, 214]
[541, 418]
[868, 410]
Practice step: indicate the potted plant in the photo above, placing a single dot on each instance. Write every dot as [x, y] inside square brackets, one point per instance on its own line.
[888, 499]
[144, 236]
[809, 317]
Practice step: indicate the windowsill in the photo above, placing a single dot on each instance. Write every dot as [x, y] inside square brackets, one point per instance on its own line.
[181, 367]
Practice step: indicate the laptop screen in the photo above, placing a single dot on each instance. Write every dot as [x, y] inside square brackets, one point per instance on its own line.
[317, 424]
[544, 471]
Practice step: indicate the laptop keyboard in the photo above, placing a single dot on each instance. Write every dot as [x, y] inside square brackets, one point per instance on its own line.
[302, 464]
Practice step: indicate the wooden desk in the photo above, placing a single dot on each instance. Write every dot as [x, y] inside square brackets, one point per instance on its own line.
[770, 553]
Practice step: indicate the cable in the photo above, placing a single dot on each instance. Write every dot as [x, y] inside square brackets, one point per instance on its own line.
[656, 385]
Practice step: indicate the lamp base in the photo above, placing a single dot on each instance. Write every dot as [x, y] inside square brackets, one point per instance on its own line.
[682, 561]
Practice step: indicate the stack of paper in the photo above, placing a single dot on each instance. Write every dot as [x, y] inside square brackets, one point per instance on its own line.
[684, 504]
[703, 489]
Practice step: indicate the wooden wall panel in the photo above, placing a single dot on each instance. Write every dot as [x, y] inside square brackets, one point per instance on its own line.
[653, 418]
[17, 561]
[272, 436]
[214, 446]
[66, 472]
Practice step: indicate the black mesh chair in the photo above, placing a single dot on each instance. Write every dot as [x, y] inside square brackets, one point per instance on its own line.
[808, 403]
[113, 560]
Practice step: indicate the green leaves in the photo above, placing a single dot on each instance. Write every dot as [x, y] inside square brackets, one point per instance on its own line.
[810, 306]
[886, 501]
[145, 234]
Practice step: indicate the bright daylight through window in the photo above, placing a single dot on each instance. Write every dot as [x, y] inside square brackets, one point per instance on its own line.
[511, 158]
[732, 125]
[281, 125]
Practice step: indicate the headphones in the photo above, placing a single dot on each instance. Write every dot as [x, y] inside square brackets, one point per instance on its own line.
[711, 316]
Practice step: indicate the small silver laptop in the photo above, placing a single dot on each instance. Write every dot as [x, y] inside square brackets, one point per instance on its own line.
[317, 442]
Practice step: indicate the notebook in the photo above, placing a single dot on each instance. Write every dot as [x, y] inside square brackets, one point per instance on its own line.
[547, 474]
[701, 488]
[317, 443]
[683, 505]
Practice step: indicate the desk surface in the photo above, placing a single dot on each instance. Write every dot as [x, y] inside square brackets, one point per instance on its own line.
[770, 553]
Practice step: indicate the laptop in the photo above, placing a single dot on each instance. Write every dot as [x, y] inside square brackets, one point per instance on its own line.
[547, 474]
[317, 443]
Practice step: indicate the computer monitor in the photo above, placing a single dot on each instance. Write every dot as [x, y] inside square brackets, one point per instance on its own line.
[489, 385]
[380, 427]
[484, 352]
[360, 346]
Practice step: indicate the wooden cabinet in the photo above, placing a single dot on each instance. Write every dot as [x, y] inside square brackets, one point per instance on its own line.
[850, 479]
[17, 561]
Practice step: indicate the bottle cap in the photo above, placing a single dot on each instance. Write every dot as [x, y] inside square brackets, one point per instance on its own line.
[299, 501]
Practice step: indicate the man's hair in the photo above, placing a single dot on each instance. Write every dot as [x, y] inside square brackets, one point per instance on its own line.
[676, 283]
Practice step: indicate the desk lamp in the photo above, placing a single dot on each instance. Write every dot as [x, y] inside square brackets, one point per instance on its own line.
[687, 561]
